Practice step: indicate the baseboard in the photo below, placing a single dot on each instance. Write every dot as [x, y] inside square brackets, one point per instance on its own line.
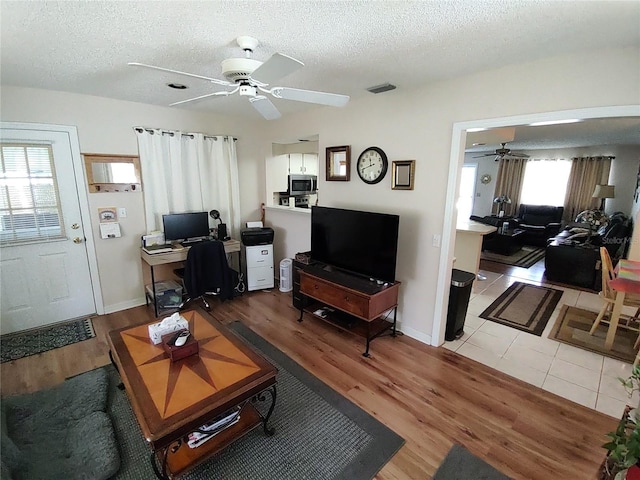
[124, 305]
[410, 332]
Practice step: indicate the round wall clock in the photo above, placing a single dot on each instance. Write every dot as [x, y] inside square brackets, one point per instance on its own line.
[486, 178]
[372, 165]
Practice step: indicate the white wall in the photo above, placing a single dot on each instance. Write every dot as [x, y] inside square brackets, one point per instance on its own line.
[106, 126]
[418, 125]
[405, 124]
[624, 171]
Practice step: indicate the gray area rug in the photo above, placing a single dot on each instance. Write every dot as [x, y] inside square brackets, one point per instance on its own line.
[461, 464]
[319, 433]
[524, 306]
[23, 344]
[524, 258]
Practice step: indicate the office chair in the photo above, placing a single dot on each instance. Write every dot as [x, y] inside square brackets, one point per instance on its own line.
[206, 272]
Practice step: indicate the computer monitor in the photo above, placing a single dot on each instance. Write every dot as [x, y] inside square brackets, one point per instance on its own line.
[185, 226]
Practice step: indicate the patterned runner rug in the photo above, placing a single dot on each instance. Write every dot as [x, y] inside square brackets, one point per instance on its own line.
[573, 325]
[524, 258]
[524, 306]
[23, 344]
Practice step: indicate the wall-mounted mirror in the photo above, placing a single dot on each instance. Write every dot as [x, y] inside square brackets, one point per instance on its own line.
[339, 163]
[403, 174]
[112, 173]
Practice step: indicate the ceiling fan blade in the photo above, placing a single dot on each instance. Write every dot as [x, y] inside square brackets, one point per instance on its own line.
[178, 72]
[276, 67]
[214, 94]
[310, 96]
[519, 155]
[264, 107]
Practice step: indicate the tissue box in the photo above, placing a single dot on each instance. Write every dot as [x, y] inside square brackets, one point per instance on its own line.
[157, 330]
[177, 353]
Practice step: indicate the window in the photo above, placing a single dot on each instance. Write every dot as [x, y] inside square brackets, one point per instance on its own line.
[29, 200]
[545, 182]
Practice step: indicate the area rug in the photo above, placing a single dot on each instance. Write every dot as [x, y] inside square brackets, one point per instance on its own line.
[319, 434]
[23, 344]
[524, 306]
[573, 325]
[524, 258]
[461, 464]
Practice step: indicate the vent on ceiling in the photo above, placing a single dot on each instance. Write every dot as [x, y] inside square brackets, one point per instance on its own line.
[385, 87]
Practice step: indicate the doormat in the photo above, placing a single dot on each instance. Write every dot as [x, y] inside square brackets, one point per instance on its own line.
[24, 344]
[573, 325]
[319, 434]
[524, 306]
[461, 464]
[524, 258]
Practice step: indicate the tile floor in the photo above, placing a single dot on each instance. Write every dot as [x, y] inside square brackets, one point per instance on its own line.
[578, 375]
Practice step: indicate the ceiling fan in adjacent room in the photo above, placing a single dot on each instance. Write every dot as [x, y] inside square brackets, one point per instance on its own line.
[503, 152]
[252, 79]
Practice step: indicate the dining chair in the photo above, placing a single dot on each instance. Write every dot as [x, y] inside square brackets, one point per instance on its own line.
[608, 296]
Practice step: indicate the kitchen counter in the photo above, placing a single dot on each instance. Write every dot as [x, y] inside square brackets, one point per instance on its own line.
[468, 244]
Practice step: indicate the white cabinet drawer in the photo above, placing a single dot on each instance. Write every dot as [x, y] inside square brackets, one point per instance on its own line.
[260, 277]
[259, 255]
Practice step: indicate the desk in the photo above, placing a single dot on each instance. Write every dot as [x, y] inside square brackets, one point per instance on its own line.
[627, 281]
[180, 255]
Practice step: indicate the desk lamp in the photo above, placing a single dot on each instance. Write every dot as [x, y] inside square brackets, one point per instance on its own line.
[220, 228]
[501, 200]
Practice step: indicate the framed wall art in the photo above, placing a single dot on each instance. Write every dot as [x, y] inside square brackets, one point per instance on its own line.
[403, 174]
[339, 163]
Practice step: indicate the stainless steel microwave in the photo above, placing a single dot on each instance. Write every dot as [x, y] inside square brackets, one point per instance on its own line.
[302, 184]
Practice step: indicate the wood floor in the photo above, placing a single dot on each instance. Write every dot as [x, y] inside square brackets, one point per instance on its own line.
[430, 396]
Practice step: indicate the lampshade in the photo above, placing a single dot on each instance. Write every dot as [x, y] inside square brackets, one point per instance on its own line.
[502, 199]
[604, 191]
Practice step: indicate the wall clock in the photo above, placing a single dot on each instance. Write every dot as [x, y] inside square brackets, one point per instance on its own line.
[372, 165]
[486, 178]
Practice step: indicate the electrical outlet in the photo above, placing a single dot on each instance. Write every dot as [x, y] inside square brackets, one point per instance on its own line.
[122, 212]
[436, 240]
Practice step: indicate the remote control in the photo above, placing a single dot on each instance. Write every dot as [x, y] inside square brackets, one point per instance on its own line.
[182, 338]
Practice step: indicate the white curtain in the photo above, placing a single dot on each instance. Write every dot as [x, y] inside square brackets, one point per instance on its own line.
[188, 173]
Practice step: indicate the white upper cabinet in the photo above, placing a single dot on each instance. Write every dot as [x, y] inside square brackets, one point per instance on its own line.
[303, 163]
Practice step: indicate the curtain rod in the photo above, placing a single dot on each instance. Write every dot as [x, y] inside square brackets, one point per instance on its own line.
[167, 132]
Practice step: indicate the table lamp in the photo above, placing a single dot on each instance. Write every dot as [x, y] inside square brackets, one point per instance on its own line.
[602, 192]
[501, 200]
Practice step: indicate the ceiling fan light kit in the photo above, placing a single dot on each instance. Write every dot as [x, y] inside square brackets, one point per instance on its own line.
[250, 78]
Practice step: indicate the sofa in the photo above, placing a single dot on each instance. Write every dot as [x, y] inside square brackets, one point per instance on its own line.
[573, 256]
[61, 432]
[539, 222]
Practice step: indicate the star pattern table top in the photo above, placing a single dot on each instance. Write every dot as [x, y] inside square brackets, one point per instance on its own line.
[165, 394]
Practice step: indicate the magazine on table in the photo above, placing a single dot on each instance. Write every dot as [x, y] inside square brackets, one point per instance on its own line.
[212, 428]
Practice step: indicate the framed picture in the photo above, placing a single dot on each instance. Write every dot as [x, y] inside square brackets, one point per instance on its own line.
[402, 174]
[339, 163]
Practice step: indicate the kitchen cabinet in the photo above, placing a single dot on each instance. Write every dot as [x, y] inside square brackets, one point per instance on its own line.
[303, 163]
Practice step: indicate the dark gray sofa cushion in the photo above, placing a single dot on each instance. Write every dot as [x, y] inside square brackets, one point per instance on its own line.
[61, 432]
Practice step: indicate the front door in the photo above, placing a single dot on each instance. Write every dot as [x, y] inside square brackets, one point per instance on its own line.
[44, 264]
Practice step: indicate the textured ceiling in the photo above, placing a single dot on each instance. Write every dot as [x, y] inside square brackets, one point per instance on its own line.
[347, 46]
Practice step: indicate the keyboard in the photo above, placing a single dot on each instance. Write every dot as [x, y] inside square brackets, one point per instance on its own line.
[188, 243]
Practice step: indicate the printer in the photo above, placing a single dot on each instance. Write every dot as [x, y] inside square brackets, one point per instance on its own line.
[257, 236]
[257, 244]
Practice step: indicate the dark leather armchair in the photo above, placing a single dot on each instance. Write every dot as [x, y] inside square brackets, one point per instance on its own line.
[539, 222]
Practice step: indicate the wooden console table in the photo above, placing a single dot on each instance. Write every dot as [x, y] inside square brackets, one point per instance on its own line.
[354, 304]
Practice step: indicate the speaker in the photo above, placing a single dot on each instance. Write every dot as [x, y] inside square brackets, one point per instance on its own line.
[222, 231]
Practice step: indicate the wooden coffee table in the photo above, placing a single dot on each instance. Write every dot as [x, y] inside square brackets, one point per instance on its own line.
[173, 399]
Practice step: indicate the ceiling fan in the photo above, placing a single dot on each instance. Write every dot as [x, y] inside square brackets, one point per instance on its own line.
[251, 78]
[500, 153]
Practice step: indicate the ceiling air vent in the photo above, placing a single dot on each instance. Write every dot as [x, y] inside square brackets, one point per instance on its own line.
[385, 87]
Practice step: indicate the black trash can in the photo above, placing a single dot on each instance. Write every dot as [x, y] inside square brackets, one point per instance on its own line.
[461, 283]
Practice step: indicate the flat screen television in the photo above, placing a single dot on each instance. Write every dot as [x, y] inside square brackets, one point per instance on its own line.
[185, 226]
[363, 243]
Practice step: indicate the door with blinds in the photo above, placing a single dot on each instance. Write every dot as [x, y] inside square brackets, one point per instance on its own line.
[45, 275]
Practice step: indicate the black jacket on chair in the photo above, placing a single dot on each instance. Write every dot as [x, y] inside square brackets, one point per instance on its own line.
[206, 270]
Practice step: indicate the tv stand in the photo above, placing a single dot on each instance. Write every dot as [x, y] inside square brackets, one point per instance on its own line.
[349, 302]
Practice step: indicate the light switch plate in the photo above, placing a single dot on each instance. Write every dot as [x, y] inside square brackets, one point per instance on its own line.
[122, 212]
